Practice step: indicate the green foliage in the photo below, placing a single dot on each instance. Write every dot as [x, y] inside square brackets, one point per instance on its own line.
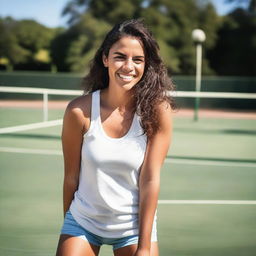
[74, 9]
[170, 21]
[73, 49]
[9, 47]
[32, 36]
[111, 11]
[21, 41]
[42, 56]
[235, 50]
[210, 22]
[228, 50]
[169, 57]
[114, 11]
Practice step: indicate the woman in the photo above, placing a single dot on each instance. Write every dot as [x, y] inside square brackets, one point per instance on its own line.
[115, 139]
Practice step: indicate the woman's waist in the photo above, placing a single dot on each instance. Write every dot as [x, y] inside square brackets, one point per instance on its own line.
[106, 204]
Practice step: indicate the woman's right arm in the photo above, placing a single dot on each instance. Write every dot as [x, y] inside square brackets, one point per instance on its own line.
[72, 137]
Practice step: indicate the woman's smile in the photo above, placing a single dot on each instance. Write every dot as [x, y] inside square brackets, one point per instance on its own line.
[127, 78]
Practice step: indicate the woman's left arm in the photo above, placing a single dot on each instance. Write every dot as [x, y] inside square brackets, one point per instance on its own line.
[149, 181]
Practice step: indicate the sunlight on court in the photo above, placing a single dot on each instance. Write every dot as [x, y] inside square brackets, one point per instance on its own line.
[206, 204]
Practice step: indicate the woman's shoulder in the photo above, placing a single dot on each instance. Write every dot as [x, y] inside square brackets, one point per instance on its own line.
[80, 105]
[164, 108]
[165, 113]
[78, 111]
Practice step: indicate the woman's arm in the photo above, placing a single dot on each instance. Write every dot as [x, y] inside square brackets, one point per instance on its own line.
[149, 181]
[72, 135]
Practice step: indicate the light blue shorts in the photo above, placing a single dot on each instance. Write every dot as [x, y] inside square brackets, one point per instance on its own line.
[72, 228]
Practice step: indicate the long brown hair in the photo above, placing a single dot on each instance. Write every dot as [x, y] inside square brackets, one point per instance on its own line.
[154, 85]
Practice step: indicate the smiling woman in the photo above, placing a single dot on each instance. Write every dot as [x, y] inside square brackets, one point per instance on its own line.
[151, 89]
[125, 62]
[115, 139]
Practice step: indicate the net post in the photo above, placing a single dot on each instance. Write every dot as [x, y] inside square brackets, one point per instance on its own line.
[45, 105]
[198, 78]
[198, 37]
[197, 103]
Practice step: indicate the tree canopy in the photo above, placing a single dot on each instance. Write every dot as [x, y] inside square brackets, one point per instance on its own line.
[24, 42]
[228, 50]
[170, 21]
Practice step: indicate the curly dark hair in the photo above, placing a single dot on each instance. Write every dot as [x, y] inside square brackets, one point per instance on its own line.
[154, 85]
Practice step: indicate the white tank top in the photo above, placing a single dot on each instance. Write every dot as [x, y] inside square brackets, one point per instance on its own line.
[106, 202]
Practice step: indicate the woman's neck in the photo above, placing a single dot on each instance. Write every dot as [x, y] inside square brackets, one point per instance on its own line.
[118, 99]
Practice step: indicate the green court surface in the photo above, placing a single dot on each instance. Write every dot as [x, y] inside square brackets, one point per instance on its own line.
[212, 159]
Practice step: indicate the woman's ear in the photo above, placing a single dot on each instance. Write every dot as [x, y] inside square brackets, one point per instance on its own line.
[105, 60]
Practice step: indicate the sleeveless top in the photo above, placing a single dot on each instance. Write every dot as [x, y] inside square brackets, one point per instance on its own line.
[107, 200]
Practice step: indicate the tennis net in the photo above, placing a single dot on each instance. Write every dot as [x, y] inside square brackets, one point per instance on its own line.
[38, 112]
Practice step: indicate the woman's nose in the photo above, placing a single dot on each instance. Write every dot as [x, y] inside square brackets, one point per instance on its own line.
[128, 65]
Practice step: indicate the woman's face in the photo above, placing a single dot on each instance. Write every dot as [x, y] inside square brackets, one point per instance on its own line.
[125, 62]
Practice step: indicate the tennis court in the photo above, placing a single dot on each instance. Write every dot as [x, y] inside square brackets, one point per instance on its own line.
[207, 201]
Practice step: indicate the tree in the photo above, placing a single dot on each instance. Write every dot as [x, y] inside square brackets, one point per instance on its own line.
[114, 11]
[236, 47]
[251, 4]
[32, 35]
[21, 42]
[73, 49]
[83, 48]
[89, 22]
[111, 11]
[171, 22]
[74, 9]
[10, 50]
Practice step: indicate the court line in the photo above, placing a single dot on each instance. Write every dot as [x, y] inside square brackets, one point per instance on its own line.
[30, 151]
[214, 202]
[210, 162]
[167, 160]
[27, 127]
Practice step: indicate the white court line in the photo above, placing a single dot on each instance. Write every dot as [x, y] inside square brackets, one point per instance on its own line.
[209, 162]
[26, 127]
[30, 151]
[200, 202]
[167, 160]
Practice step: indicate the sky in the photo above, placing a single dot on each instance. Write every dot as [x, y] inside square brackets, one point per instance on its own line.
[48, 12]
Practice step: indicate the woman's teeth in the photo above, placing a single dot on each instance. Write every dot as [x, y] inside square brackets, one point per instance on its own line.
[124, 77]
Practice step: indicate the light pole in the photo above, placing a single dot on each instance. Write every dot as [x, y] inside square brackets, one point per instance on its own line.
[198, 37]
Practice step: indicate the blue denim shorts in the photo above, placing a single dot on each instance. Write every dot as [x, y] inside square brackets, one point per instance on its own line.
[71, 227]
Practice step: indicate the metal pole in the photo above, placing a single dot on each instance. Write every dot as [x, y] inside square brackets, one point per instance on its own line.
[45, 105]
[198, 77]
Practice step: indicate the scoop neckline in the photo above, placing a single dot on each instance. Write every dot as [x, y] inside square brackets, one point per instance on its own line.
[103, 131]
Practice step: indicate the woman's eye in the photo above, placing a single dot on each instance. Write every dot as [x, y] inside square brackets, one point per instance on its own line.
[138, 61]
[119, 57]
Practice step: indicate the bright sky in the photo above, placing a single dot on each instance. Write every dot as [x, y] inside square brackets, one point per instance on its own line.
[48, 12]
